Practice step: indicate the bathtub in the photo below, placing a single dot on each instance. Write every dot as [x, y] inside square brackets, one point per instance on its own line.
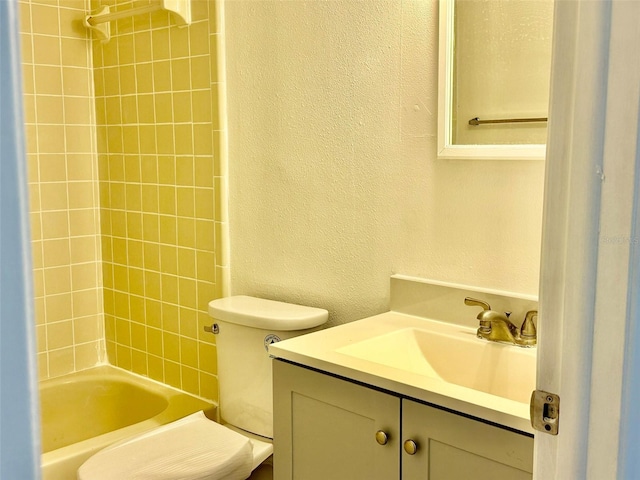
[85, 411]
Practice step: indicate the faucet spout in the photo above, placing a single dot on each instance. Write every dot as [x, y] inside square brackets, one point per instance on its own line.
[496, 327]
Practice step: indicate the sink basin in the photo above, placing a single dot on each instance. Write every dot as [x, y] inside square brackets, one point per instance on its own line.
[460, 359]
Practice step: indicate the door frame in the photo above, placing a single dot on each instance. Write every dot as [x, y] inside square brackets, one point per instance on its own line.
[589, 285]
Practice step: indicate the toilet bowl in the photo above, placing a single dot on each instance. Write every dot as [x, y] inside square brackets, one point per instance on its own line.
[195, 447]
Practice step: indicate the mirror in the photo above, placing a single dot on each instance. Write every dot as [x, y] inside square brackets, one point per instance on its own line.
[494, 71]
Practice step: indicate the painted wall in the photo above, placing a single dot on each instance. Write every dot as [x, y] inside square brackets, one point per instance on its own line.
[158, 143]
[334, 182]
[63, 185]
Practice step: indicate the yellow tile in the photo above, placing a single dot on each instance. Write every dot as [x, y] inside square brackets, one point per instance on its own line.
[82, 222]
[152, 284]
[119, 252]
[213, 65]
[75, 52]
[171, 344]
[170, 320]
[163, 107]
[200, 72]
[45, 52]
[113, 110]
[160, 44]
[28, 80]
[188, 323]
[207, 356]
[162, 76]
[142, 42]
[29, 108]
[138, 336]
[125, 49]
[205, 293]
[215, 118]
[129, 109]
[50, 138]
[133, 195]
[78, 139]
[134, 225]
[135, 253]
[40, 310]
[136, 305]
[146, 109]
[186, 232]
[151, 253]
[186, 262]
[168, 228]
[127, 80]
[184, 167]
[199, 37]
[111, 81]
[53, 196]
[136, 281]
[57, 280]
[49, 109]
[120, 278]
[107, 283]
[203, 172]
[25, 17]
[150, 228]
[116, 168]
[167, 197]
[187, 292]
[183, 134]
[86, 355]
[164, 139]
[201, 105]
[181, 74]
[208, 386]
[55, 225]
[172, 374]
[155, 368]
[182, 107]
[123, 332]
[80, 194]
[204, 203]
[202, 139]
[36, 255]
[205, 266]
[109, 310]
[147, 135]
[188, 352]
[149, 198]
[117, 197]
[144, 78]
[200, 11]
[149, 169]
[123, 356]
[88, 329]
[185, 201]
[76, 81]
[152, 313]
[86, 302]
[154, 341]
[166, 170]
[53, 168]
[168, 259]
[80, 166]
[61, 361]
[84, 276]
[56, 252]
[121, 304]
[44, 19]
[169, 288]
[58, 308]
[118, 223]
[71, 22]
[190, 380]
[130, 139]
[83, 249]
[78, 110]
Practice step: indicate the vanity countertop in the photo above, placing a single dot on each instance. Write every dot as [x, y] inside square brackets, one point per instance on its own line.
[324, 350]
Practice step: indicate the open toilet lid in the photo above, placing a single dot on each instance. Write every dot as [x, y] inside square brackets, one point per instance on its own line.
[193, 448]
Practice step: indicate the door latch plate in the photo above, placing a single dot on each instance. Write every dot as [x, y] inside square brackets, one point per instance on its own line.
[545, 411]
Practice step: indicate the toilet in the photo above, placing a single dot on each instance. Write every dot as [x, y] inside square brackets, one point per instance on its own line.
[196, 448]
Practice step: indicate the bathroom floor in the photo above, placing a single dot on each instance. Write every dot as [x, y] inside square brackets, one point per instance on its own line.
[263, 472]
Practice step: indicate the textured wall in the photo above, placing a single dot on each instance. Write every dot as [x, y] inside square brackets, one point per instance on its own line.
[334, 181]
[158, 142]
[63, 185]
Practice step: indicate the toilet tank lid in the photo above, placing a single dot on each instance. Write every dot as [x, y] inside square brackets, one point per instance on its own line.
[266, 314]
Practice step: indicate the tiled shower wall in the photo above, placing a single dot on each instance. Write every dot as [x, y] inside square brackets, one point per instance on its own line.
[63, 185]
[156, 86]
[124, 172]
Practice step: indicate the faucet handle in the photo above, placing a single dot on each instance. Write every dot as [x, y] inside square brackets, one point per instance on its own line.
[474, 302]
[528, 328]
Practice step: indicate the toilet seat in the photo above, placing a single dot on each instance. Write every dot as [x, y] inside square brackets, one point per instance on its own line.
[193, 448]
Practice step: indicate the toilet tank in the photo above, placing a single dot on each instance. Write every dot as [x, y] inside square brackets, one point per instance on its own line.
[246, 328]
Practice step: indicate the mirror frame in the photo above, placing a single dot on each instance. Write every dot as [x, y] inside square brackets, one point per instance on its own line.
[446, 149]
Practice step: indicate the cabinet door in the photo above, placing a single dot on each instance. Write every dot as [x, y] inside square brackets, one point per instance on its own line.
[453, 447]
[325, 428]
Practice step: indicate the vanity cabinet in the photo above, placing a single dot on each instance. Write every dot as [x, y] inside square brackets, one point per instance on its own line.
[328, 427]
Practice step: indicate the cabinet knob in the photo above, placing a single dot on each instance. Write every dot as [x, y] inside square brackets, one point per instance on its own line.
[410, 447]
[381, 437]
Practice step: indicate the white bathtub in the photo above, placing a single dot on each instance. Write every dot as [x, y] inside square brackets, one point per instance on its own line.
[84, 412]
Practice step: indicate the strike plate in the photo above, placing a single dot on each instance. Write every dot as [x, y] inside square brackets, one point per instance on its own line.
[545, 411]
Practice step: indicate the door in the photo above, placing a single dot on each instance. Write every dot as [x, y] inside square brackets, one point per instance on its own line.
[589, 273]
[326, 428]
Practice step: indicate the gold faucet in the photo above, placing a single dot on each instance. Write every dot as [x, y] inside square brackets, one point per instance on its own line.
[496, 327]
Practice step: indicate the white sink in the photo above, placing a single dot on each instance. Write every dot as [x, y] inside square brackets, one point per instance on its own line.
[460, 358]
